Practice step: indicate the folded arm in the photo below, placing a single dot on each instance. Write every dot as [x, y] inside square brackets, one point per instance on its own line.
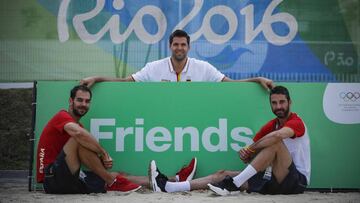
[247, 153]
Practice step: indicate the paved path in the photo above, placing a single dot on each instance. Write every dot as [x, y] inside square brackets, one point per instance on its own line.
[14, 176]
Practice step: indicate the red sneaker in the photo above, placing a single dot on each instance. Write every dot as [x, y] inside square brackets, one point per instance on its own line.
[123, 185]
[187, 173]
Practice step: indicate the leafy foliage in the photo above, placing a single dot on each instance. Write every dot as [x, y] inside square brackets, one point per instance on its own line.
[15, 128]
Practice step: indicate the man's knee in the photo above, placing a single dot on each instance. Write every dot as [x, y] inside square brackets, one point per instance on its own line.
[71, 147]
[281, 149]
[277, 147]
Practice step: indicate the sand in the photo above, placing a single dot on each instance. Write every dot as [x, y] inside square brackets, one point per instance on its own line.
[16, 191]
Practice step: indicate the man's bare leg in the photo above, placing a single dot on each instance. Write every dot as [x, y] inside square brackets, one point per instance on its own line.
[142, 180]
[76, 154]
[72, 158]
[277, 156]
[201, 183]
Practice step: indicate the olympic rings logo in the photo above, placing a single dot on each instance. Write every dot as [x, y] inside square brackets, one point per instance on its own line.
[350, 96]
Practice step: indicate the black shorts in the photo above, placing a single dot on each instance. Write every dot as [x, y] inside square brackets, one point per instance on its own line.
[294, 183]
[59, 180]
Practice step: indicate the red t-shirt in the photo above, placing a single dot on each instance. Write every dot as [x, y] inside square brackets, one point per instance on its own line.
[294, 122]
[51, 142]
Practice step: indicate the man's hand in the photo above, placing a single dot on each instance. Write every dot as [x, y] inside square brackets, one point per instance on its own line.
[266, 83]
[245, 154]
[107, 161]
[89, 81]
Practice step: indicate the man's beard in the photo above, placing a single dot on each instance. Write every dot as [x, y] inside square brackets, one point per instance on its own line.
[179, 57]
[78, 113]
[282, 113]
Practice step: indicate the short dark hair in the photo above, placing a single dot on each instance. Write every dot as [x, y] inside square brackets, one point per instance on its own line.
[83, 88]
[179, 33]
[280, 90]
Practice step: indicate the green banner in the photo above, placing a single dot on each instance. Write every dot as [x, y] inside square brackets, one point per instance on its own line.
[173, 122]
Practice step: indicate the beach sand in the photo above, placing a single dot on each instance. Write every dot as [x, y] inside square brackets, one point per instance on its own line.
[17, 191]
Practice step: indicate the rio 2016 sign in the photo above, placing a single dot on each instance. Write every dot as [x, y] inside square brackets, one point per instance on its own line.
[283, 40]
[137, 26]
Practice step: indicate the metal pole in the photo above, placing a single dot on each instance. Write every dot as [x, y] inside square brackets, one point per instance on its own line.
[32, 135]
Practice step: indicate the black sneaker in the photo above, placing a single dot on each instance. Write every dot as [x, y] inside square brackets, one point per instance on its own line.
[225, 187]
[157, 179]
